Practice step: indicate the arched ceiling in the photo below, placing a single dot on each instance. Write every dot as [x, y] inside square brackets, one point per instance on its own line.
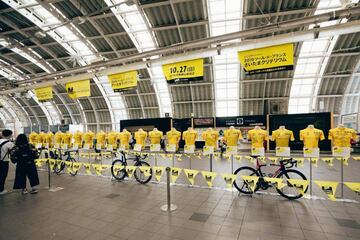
[113, 29]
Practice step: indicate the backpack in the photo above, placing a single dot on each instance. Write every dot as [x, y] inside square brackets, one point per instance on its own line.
[1, 145]
[23, 154]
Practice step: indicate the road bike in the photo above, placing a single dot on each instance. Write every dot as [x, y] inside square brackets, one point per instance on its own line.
[284, 172]
[121, 164]
[60, 166]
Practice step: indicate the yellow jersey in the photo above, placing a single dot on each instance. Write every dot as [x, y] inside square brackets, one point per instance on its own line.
[311, 137]
[155, 136]
[210, 137]
[112, 139]
[231, 137]
[88, 138]
[173, 136]
[341, 136]
[140, 137]
[58, 137]
[124, 138]
[49, 138]
[100, 139]
[67, 139]
[257, 137]
[78, 138]
[190, 137]
[33, 138]
[282, 137]
[41, 138]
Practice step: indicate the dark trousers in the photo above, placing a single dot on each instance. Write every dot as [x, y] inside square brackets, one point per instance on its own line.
[24, 170]
[4, 168]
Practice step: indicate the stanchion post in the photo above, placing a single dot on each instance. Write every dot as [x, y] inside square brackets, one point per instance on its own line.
[49, 169]
[168, 207]
[232, 163]
[342, 177]
[173, 159]
[211, 162]
[190, 159]
[311, 182]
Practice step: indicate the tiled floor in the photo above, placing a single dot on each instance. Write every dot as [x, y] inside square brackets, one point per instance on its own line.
[92, 207]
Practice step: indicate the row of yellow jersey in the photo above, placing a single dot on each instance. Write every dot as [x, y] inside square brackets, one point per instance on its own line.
[340, 137]
[329, 187]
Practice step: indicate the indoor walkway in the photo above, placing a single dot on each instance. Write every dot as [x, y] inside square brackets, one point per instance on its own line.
[92, 207]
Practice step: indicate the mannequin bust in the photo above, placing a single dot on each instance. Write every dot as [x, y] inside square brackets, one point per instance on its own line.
[282, 127]
[155, 129]
[341, 126]
[231, 127]
[257, 127]
[311, 126]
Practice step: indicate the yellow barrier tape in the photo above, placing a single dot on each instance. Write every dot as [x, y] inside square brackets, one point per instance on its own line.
[251, 181]
[329, 187]
[209, 177]
[191, 174]
[354, 186]
[229, 179]
[146, 170]
[159, 171]
[175, 173]
[300, 184]
[329, 161]
[277, 181]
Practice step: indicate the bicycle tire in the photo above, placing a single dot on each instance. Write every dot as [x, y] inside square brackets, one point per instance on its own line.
[280, 191]
[72, 160]
[138, 174]
[238, 176]
[119, 175]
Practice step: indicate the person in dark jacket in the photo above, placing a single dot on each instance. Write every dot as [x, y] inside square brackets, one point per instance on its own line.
[24, 155]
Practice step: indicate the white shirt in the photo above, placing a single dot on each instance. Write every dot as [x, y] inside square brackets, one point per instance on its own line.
[5, 149]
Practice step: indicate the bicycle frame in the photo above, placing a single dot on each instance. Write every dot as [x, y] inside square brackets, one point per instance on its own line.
[276, 173]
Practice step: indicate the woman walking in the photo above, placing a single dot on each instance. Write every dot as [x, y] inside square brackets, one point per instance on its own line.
[23, 155]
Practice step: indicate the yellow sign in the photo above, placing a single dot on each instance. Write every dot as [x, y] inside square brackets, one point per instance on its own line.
[78, 89]
[123, 81]
[229, 179]
[158, 172]
[300, 185]
[354, 186]
[251, 181]
[268, 59]
[44, 94]
[329, 188]
[184, 71]
[175, 173]
[209, 177]
[191, 174]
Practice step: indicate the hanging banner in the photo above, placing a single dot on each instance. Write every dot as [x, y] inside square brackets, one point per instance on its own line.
[145, 170]
[87, 167]
[123, 81]
[251, 181]
[268, 59]
[185, 71]
[191, 174]
[329, 161]
[78, 89]
[229, 179]
[209, 177]
[159, 171]
[300, 185]
[130, 170]
[329, 188]
[278, 182]
[354, 186]
[44, 94]
[175, 173]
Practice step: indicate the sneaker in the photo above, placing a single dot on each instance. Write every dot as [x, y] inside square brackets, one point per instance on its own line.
[3, 192]
[24, 191]
[34, 191]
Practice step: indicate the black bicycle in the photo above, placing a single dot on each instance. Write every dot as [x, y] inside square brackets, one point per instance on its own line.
[118, 168]
[60, 166]
[284, 172]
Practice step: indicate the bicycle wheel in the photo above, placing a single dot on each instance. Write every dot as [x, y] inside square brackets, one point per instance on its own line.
[140, 176]
[289, 191]
[59, 167]
[240, 184]
[73, 161]
[118, 174]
